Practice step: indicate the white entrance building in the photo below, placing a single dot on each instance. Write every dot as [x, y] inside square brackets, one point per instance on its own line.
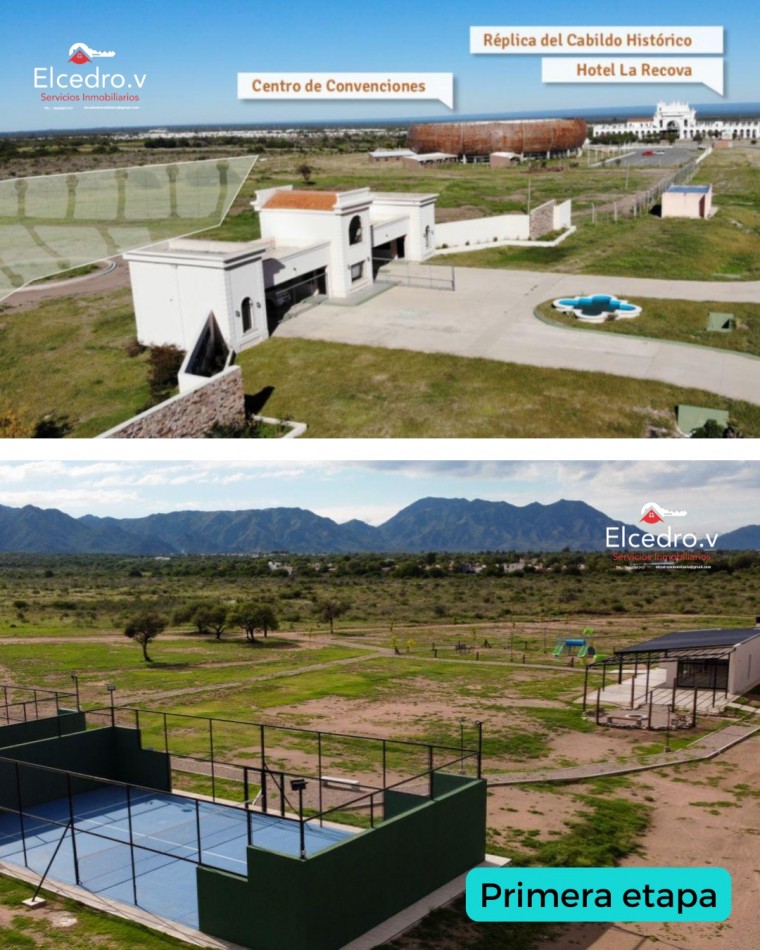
[312, 243]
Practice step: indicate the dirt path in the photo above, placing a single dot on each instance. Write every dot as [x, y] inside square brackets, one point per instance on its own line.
[30, 297]
[705, 748]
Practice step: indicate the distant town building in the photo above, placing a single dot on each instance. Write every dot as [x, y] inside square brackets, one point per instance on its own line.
[681, 119]
[390, 154]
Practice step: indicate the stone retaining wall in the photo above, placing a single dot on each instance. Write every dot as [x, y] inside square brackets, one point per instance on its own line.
[542, 219]
[190, 415]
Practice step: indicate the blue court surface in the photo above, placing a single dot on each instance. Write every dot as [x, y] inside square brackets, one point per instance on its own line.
[169, 825]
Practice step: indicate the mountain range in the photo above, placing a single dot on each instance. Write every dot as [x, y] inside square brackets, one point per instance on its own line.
[430, 524]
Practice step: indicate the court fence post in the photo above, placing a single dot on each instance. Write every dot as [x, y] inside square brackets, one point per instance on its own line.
[198, 830]
[430, 771]
[246, 800]
[385, 758]
[319, 776]
[282, 794]
[262, 753]
[21, 814]
[169, 777]
[77, 878]
[480, 748]
[131, 845]
[211, 749]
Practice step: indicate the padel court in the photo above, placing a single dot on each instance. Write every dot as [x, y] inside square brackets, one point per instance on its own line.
[270, 854]
[142, 848]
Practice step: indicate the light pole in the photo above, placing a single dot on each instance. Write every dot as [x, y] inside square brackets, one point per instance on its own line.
[298, 785]
[111, 690]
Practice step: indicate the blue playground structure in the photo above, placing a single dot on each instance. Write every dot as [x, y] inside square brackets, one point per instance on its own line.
[568, 644]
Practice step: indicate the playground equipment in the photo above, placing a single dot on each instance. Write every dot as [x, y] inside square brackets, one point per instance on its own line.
[571, 643]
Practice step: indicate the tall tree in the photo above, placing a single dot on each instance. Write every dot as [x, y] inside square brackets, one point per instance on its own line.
[210, 617]
[144, 627]
[330, 609]
[252, 617]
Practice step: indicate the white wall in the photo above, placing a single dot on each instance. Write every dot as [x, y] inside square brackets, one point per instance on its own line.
[385, 231]
[563, 215]
[744, 672]
[504, 227]
[173, 299]
[172, 303]
[241, 282]
[288, 266]
[679, 204]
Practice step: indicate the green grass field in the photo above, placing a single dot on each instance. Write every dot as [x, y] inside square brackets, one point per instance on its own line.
[68, 357]
[62, 615]
[683, 321]
[726, 247]
[369, 392]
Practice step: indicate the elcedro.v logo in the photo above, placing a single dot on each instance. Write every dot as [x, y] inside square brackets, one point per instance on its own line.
[58, 86]
[665, 538]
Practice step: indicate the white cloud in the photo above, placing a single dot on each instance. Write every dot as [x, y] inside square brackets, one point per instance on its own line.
[67, 499]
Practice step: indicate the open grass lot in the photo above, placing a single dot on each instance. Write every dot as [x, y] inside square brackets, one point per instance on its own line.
[683, 321]
[476, 188]
[368, 392]
[62, 615]
[65, 921]
[67, 357]
[727, 246]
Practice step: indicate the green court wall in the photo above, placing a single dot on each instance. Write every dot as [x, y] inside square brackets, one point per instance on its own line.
[18, 733]
[110, 753]
[326, 900]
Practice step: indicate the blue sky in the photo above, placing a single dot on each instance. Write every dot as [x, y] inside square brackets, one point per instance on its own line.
[192, 51]
[718, 496]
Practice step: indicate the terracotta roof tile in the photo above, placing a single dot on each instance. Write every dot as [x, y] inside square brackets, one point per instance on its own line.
[303, 200]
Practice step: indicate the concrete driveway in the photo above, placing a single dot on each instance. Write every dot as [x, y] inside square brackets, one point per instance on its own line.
[490, 315]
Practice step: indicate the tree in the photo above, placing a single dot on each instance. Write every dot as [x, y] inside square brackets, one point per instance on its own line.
[252, 617]
[712, 429]
[329, 610]
[144, 627]
[210, 617]
[305, 171]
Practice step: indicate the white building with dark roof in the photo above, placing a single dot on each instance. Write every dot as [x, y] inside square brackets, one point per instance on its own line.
[698, 671]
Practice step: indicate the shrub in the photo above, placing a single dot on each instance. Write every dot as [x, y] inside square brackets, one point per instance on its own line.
[164, 363]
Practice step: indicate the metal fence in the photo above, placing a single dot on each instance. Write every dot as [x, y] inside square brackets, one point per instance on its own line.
[641, 202]
[249, 762]
[412, 274]
[25, 703]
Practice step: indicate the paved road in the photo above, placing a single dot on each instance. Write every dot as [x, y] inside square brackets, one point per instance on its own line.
[490, 315]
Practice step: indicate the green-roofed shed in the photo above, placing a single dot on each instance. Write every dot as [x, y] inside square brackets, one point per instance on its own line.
[694, 417]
